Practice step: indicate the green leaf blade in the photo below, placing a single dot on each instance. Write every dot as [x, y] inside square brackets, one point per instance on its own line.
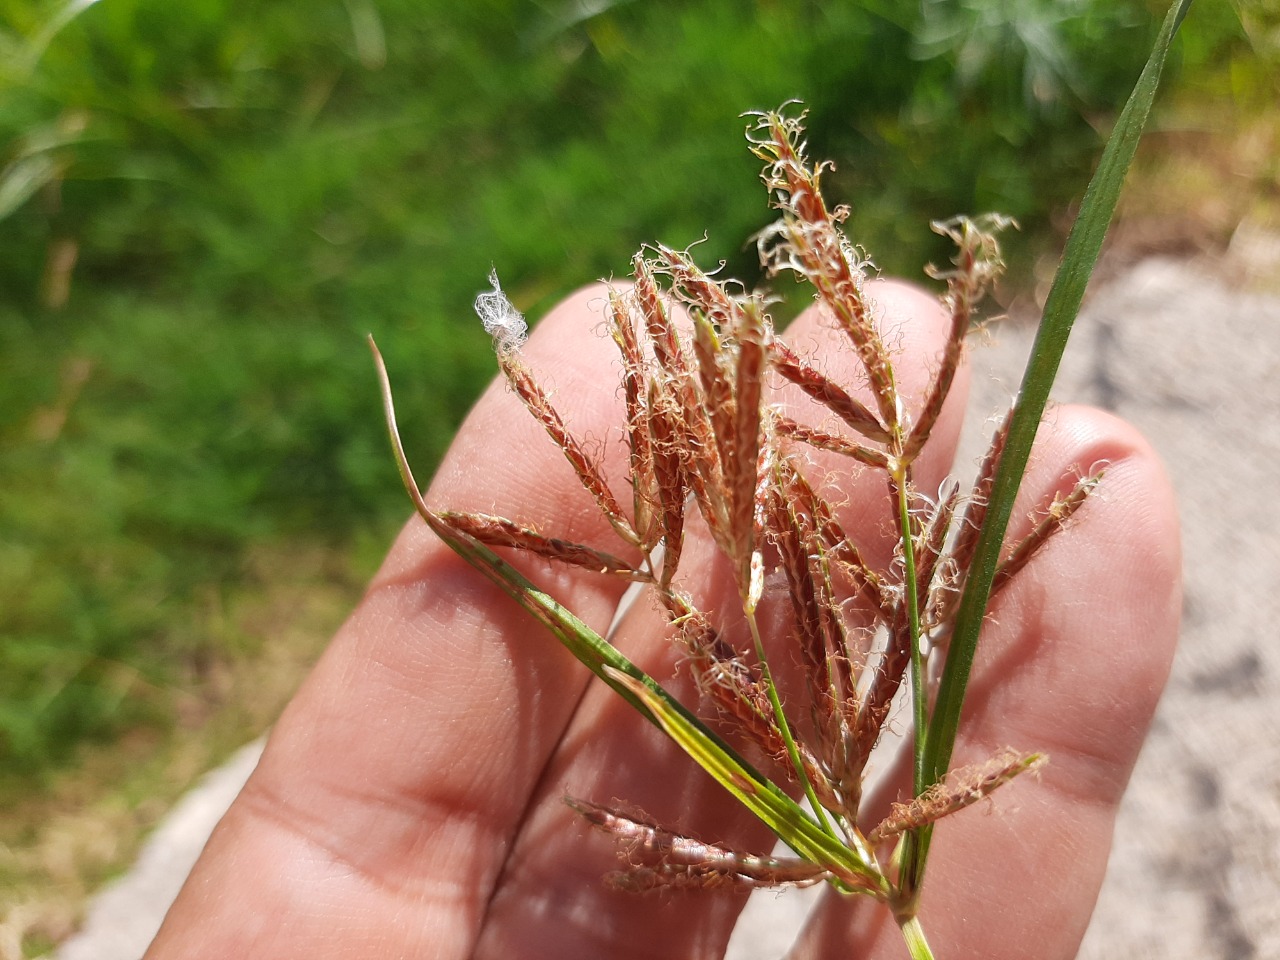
[1080, 255]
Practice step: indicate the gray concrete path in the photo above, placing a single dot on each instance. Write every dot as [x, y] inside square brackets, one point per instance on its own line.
[1185, 352]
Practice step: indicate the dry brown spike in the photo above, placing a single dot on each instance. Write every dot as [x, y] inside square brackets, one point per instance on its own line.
[977, 266]
[808, 242]
[643, 480]
[725, 678]
[1056, 515]
[794, 430]
[929, 552]
[588, 471]
[961, 788]
[827, 392]
[788, 533]
[501, 532]
[742, 451]
[662, 333]
[656, 857]
[839, 546]
[669, 479]
[975, 511]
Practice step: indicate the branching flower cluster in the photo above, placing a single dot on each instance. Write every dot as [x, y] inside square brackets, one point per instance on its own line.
[706, 448]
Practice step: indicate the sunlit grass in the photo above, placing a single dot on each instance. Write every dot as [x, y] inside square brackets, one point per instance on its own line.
[84, 824]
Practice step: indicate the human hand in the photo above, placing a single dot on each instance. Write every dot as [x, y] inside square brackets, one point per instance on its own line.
[408, 802]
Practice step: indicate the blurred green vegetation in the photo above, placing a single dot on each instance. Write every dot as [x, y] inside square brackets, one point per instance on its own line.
[207, 204]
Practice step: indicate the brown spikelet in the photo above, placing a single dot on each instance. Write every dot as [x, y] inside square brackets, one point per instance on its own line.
[715, 314]
[786, 427]
[684, 396]
[939, 577]
[830, 394]
[661, 858]
[713, 457]
[807, 241]
[703, 476]
[833, 687]
[977, 265]
[500, 532]
[686, 412]
[826, 653]
[791, 532]
[929, 552]
[763, 492]
[730, 337]
[588, 471]
[975, 512]
[646, 843]
[669, 478]
[960, 789]
[927, 547]
[808, 560]
[940, 386]
[751, 873]
[643, 479]
[875, 706]
[717, 388]
[737, 690]
[671, 356]
[891, 670]
[839, 546]
[734, 685]
[657, 320]
[702, 293]
[742, 451]
[1057, 514]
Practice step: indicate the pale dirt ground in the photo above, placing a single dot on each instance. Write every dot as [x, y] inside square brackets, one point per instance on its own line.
[1190, 353]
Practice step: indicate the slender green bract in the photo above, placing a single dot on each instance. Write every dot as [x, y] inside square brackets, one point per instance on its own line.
[1061, 307]
[787, 819]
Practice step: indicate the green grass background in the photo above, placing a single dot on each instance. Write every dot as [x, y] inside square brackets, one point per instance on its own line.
[207, 204]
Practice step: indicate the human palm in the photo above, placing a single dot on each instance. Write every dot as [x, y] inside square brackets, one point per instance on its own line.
[409, 800]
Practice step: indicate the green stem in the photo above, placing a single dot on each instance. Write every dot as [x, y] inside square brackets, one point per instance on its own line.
[913, 934]
[775, 702]
[918, 699]
[909, 874]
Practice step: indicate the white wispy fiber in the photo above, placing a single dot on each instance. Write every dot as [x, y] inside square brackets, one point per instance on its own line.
[501, 319]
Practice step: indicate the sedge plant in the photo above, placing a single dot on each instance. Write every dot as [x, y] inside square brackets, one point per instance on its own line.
[707, 449]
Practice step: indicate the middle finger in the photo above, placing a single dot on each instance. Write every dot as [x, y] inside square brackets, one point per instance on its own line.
[550, 900]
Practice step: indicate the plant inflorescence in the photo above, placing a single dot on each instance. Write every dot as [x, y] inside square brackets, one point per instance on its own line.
[709, 451]
[707, 448]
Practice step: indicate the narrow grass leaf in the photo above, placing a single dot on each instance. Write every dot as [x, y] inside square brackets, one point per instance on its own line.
[1061, 307]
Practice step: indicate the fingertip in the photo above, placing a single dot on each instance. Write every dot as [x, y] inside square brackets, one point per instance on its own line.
[1078, 647]
[1130, 524]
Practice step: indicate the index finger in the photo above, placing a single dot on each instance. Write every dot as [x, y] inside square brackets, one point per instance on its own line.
[380, 813]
